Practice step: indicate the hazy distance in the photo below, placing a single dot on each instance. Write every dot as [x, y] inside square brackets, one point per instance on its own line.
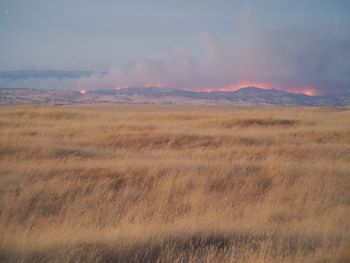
[296, 46]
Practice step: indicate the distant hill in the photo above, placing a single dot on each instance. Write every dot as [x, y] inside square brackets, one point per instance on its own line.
[46, 74]
[244, 96]
[248, 95]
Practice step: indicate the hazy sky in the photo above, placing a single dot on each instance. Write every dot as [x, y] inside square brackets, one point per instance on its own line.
[195, 44]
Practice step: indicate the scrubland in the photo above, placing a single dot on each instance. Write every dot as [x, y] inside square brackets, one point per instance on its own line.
[152, 183]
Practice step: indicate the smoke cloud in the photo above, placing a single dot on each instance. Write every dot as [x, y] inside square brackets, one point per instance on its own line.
[297, 59]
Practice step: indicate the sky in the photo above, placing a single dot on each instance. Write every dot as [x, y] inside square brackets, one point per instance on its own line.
[298, 46]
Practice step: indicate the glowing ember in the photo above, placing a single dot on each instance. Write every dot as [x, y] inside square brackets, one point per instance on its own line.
[83, 91]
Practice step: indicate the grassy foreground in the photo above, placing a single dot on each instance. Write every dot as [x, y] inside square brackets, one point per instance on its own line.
[174, 184]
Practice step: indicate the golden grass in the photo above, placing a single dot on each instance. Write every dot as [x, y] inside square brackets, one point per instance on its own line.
[174, 184]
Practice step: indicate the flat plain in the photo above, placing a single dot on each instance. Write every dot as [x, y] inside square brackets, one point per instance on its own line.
[152, 183]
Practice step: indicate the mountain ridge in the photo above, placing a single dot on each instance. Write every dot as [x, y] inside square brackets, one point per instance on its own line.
[243, 96]
[251, 95]
[48, 74]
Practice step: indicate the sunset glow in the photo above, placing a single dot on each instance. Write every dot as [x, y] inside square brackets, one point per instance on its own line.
[83, 91]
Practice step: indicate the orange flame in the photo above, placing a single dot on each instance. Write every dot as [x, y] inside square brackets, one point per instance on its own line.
[309, 91]
[156, 84]
[121, 87]
[236, 86]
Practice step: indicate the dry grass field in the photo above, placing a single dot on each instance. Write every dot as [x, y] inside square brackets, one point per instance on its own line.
[154, 183]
